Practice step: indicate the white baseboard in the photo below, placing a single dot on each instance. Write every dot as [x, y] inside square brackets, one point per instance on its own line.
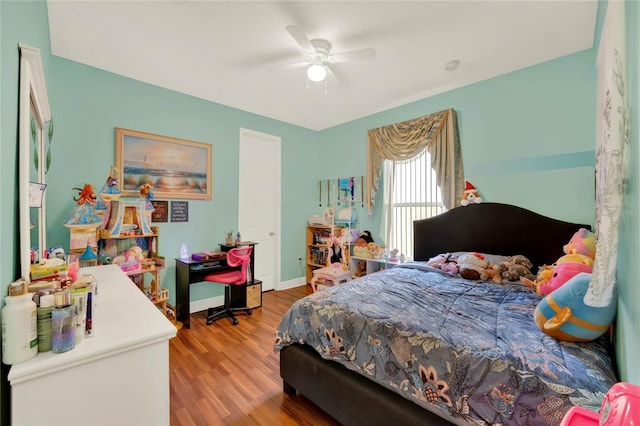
[296, 282]
[204, 304]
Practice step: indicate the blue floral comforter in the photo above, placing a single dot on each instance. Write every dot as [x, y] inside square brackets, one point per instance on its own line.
[469, 351]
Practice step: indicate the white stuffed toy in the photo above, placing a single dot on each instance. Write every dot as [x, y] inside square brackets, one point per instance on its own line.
[472, 265]
[470, 195]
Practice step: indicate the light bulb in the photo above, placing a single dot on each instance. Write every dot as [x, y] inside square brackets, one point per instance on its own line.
[316, 72]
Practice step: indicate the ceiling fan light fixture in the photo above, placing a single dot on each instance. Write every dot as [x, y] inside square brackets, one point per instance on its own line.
[316, 72]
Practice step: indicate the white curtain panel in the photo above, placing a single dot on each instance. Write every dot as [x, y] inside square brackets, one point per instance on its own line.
[612, 134]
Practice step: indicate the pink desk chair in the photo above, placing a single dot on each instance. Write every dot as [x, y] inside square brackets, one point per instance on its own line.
[239, 256]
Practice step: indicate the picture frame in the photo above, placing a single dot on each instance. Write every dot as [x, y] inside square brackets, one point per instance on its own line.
[176, 168]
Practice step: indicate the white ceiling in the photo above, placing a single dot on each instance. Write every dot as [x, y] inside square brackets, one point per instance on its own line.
[225, 51]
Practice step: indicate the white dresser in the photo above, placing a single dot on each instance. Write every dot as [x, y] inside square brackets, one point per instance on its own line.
[120, 376]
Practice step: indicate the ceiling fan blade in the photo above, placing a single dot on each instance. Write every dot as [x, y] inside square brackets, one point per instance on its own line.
[332, 72]
[353, 55]
[286, 66]
[300, 37]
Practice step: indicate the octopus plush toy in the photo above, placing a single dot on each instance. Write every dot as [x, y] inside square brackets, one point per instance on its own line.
[564, 315]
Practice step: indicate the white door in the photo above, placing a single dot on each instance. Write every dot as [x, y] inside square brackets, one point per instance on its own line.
[259, 202]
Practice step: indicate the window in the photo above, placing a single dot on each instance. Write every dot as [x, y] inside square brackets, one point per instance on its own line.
[415, 195]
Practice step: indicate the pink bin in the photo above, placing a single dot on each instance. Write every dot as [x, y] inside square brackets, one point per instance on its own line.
[621, 406]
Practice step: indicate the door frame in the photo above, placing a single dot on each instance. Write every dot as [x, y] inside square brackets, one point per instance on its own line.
[277, 198]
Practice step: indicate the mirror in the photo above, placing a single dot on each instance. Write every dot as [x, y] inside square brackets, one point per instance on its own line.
[33, 113]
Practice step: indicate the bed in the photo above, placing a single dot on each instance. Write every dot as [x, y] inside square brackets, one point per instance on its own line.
[410, 345]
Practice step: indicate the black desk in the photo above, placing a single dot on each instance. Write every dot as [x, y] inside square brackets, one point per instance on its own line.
[189, 271]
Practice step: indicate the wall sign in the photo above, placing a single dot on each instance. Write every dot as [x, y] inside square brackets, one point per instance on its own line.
[179, 211]
[160, 212]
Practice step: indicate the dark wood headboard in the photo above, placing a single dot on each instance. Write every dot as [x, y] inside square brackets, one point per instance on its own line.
[496, 229]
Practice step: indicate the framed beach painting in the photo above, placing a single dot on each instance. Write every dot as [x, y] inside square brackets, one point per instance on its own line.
[176, 168]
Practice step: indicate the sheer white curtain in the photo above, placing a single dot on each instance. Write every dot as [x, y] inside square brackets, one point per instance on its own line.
[411, 193]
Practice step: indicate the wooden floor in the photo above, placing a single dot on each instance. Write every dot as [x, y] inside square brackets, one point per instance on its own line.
[229, 375]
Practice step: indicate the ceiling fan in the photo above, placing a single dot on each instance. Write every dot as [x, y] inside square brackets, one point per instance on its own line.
[319, 57]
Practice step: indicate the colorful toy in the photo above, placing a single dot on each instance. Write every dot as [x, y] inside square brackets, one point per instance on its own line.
[375, 250]
[394, 255]
[564, 315]
[575, 257]
[445, 262]
[545, 272]
[562, 273]
[338, 253]
[57, 252]
[85, 194]
[582, 242]
[110, 190]
[471, 265]
[620, 406]
[470, 195]
[360, 248]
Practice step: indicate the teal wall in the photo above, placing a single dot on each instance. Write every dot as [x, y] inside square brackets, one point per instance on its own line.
[628, 332]
[88, 104]
[528, 138]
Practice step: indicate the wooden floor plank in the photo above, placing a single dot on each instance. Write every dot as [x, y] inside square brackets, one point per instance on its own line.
[229, 375]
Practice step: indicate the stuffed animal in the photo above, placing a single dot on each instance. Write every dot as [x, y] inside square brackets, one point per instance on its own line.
[575, 257]
[471, 265]
[57, 252]
[519, 259]
[362, 269]
[517, 266]
[561, 274]
[445, 262]
[375, 250]
[450, 266]
[360, 248]
[564, 315]
[493, 273]
[146, 191]
[545, 272]
[435, 261]
[394, 255]
[582, 242]
[470, 195]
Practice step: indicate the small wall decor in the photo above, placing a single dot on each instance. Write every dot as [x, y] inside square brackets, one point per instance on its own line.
[179, 211]
[160, 211]
[176, 168]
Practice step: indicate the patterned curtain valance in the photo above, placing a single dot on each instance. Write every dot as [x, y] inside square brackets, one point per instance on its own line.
[438, 133]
